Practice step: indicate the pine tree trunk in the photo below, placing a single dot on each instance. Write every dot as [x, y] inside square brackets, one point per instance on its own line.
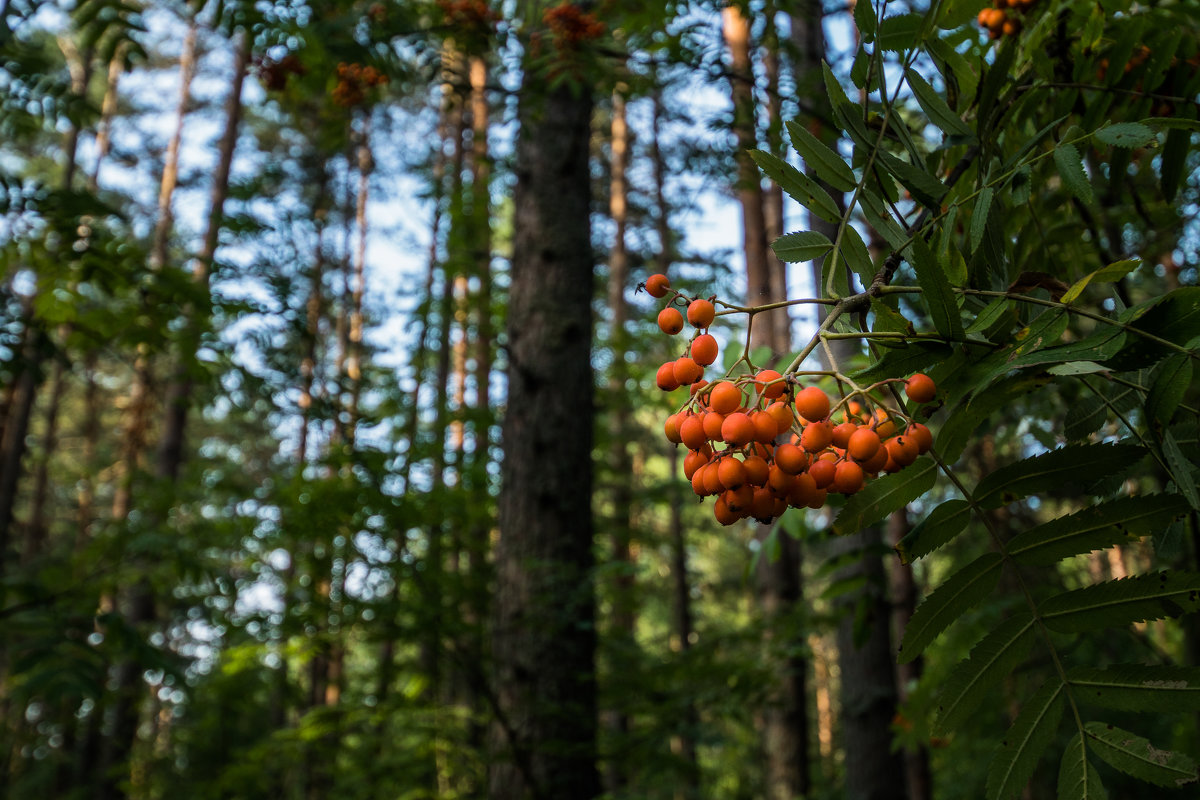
[544, 742]
[904, 602]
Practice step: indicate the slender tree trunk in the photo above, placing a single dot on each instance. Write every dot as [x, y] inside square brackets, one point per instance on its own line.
[904, 601]
[773, 219]
[16, 428]
[544, 743]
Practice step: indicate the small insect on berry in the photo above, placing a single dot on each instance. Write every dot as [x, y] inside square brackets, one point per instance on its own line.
[701, 313]
[657, 285]
[670, 321]
[920, 388]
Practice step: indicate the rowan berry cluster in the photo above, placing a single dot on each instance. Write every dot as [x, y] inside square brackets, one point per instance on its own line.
[353, 82]
[760, 442]
[1004, 17]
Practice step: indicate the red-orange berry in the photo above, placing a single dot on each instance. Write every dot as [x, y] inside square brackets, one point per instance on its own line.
[739, 499]
[765, 426]
[842, 434]
[876, 462]
[779, 480]
[657, 285]
[701, 313]
[848, 477]
[803, 491]
[712, 425]
[694, 460]
[670, 321]
[724, 397]
[687, 371]
[731, 472]
[813, 404]
[704, 349]
[666, 377]
[863, 444]
[822, 473]
[816, 437]
[712, 480]
[737, 429]
[698, 479]
[904, 450]
[765, 377]
[791, 459]
[756, 470]
[920, 388]
[723, 513]
[671, 429]
[782, 414]
[691, 432]
[921, 435]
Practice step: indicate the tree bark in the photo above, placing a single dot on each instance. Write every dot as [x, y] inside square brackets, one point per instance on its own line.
[544, 742]
[904, 602]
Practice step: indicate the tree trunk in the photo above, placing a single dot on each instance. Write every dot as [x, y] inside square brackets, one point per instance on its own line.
[904, 601]
[544, 743]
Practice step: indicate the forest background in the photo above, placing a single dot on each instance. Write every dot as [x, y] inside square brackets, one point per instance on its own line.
[300, 498]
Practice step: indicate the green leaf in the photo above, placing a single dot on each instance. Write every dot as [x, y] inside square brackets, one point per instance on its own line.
[1122, 602]
[1070, 167]
[1126, 134]
[1174, 162]
[825, 163]
[1077, 779]
[991, 660]
[925, 188]
[1170, 381]
[904, 361]
[943, 524]
[979, 218]
[801, 188]
[883, 496]
[1077, 368]
[972, 411]
[1135, 756]
[801, 246]
[879, 217]
[943, 308]
[856, 255]
[1029, 736]
[1099, 347]
[1173, 123]
[900, 33]
[1096, 527]
[1110, 274]
[864, 20]
[1181, 469]
[965, 588]
[939, 113]
[1071, 465]
[1138, 687]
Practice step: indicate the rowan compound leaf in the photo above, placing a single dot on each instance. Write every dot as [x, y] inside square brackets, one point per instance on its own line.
[885, 495]
[1122, 602]
[904, 361]
[864, 20]
[962, 591]
[1073, 465]
[1138, 687]
[983, 205]
[857, 256]
[1077, 779]
[1070, 168]
[900, 33]
[991, 660]
[1181, 469]
[1136, 756]
[939, 527]
[943, 308]
[801, 246]
[1096, 527]
[1174, 161]
[827, 165]
[1170, 381]
[972, 411]
[939, 113]
[925, 188]
[801, 188]
[1113, 272]
[1126, 134]
[1029, 736]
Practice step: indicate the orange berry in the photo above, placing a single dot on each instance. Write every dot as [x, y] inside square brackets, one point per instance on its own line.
[848, 477]
[657, 285]
[842, 434]
[666, 377]
[724, 397]
[687, 371]
[756, 470]
[670, 321]
[773, 391]
[737, 429]
[739, 499]
[712, 425]
[921, 435]
[883, 424]
[816, 437]
[813, 404]
[791, 459]
[723, 513]
[863, 445]
[779, 480]
[782, 414]
[712, 479]
[671, 429]
[803, 491]
[704, 349]
[732, 472]
[765, 426]
[698, 479]
[920, 388]
[697, 386]
[694, 460]
[876, 462]
[818, 499]
[762, 507]
[904, 450]
[822, 473]
[691, 432]
[701, 313]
